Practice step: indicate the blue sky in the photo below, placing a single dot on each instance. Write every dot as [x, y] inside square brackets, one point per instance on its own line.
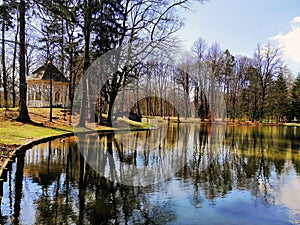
[239, 25]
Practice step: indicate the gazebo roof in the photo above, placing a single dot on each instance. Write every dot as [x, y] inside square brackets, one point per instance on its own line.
[44, 73]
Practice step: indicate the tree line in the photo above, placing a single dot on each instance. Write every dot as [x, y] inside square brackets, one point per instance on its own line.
[73, 34]
[258, 88]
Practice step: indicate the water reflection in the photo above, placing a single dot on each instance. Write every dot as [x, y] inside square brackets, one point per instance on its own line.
[138, 158]
[228, 175]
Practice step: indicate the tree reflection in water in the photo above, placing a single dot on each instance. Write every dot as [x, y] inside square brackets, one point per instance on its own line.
[54, 184]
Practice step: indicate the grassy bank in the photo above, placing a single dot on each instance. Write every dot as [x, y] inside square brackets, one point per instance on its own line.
[14, 134]
[17, 133]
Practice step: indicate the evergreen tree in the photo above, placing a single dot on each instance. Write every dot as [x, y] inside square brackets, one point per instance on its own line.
[253, 93]
[229, 83]
[295, 97]
[279, 101]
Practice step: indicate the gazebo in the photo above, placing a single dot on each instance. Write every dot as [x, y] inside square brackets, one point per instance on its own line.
[38, 87]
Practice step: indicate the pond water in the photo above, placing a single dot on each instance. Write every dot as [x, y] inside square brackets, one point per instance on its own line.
[226, 175]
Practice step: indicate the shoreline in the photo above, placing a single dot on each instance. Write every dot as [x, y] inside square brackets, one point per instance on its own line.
[11, 154]
[12, 149]
[16, 136]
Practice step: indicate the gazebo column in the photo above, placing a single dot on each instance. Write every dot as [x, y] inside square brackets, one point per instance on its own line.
[67, 95]
[64, 96]
[53, 94]
[28, 93]
[42, 95]
[34, 98]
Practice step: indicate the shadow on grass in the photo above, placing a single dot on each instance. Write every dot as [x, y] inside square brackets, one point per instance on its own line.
[44, 126]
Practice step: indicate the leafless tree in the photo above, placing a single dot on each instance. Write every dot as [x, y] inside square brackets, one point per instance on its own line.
[23, 111]
[267, 61]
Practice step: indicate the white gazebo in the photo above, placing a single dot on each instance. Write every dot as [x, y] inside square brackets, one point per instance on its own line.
[38, 87]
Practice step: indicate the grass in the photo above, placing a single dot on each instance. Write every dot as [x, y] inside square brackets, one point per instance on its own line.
[12, 133]
[132, 125]
[292, 124]
[16, 133]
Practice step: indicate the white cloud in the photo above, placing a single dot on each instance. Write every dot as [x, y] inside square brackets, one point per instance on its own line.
[290, 44]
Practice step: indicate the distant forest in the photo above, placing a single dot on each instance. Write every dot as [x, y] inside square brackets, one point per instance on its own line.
[75, 33]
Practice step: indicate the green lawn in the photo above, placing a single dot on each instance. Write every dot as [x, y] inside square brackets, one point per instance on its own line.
[13, 132]
[10, 133]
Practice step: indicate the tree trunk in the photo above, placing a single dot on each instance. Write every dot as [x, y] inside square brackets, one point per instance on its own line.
[87, 34]
[137, 97]
[83, 102]
[23, 111]
[262, 109]
[51, 90]
[100, 109]
[187, 95]
[14, 69]
[196, 101]
[91, 100]
[112, 99]
[4, 73]
[72, 80]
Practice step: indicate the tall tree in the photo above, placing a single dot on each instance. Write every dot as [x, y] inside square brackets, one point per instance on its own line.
[267, 62]
[251, 94]
[228, 82]
[61, 37]
[95, 18]
[237, 85]
[199, 48]
[23, 111]
[215, 61]
[52, 39]
[140, 21]
[295, 99]
[6, 23]
[14, 67]
[279, 98]
[87, 8]
[184, 80]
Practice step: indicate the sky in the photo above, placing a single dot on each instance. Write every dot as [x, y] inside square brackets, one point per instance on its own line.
[240, 25]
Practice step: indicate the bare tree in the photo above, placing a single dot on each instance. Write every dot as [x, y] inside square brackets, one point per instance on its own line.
[14, 68]
[144, 20]
[236, 86]
[267, 62]
[199, 49]
[23, 111]
[6, 25]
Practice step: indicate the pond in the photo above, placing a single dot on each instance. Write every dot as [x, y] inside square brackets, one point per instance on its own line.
[193, 174]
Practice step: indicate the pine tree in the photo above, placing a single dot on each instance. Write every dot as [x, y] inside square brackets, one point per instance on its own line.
[295, 96]
[279, 98]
